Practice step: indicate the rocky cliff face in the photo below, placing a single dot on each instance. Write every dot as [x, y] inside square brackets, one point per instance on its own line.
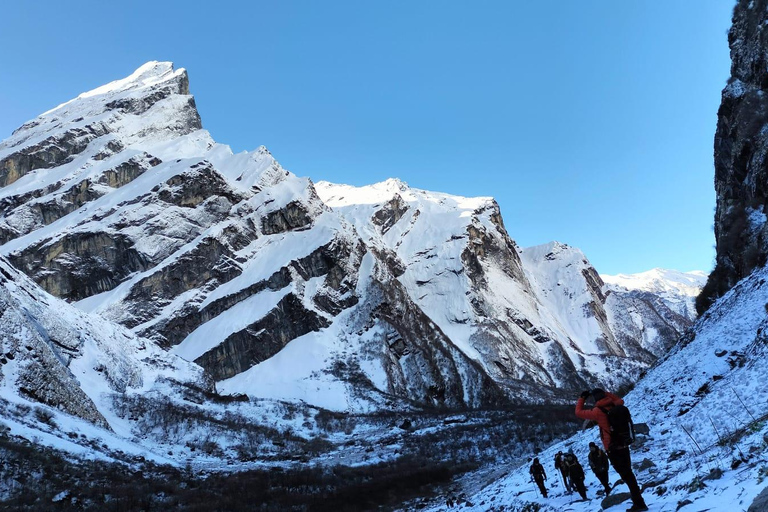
[537, 319]
[741, 146]
[384, 296]
[120, 202]
[54, 354]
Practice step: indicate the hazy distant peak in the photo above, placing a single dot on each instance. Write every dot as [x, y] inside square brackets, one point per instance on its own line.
[658, 280]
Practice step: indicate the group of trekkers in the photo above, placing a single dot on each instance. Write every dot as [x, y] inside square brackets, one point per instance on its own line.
[616, 433]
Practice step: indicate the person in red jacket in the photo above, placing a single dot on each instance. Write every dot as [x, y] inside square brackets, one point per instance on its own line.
[617, 454]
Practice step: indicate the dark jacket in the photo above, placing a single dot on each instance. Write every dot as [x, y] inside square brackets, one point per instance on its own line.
[537, 470]
[559, 462]
[571, 463]
[598, 460]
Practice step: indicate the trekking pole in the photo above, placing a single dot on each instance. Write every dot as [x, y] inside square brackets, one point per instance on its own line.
[535, 487]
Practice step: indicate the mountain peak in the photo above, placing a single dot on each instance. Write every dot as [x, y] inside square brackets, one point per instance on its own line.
[151, 104]
[551, 251]
[147, 75]
[658, 280]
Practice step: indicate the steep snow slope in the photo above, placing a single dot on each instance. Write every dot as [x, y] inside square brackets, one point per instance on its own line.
[706, 406]
[57, 355]
[120, 202]
[677, 289]
[532, 316]
[636, 325]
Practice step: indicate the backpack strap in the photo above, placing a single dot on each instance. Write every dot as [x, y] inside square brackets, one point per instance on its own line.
[605, 411]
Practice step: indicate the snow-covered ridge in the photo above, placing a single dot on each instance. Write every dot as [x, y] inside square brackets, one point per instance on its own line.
[120, 202]
[152, 105]
[150, 73]
[471, 278]
[338, 195]
[678, 289]
[659, 280]
[63, 357]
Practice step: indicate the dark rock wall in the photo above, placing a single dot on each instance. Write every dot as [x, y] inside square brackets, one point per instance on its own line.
[741, 147]
[262, 339]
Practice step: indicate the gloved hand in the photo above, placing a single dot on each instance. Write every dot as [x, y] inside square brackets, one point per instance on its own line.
[585, 394]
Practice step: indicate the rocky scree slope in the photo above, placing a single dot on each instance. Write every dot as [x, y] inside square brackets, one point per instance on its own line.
[120, 202]
[536, 319]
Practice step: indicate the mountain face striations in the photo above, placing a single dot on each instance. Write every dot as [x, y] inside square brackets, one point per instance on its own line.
[536, 318]
[350, 298]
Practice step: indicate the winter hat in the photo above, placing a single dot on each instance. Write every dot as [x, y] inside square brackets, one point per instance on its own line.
[591, 444]
[598, 394]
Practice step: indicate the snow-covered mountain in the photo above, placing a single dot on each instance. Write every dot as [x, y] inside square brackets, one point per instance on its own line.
[185, 275]
[347, 298]
[678, 289]
[706, 408]
[121, 203]
[58, 355]
[636, 326]
[540, 315]
[704, 401]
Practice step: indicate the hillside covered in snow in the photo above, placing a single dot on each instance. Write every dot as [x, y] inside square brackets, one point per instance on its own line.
[707, 412]
[166, 300]
[119, 202]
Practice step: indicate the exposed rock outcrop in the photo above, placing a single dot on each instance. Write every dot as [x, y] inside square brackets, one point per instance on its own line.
[741, 155]
[53, 354]
[120, 202]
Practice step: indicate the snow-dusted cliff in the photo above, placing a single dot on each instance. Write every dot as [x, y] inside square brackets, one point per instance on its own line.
[121, 203]
[540, 315]
[677, 289]
[349, 298]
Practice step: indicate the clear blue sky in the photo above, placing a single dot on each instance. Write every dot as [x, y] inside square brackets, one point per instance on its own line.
[590, 122]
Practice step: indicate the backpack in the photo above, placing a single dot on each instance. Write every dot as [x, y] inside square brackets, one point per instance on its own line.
[622, 428]
[574, 468]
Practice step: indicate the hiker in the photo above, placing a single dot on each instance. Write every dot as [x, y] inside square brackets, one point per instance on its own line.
[617, 449]
[538, 474]
[575, 473]
[563, 472]
[598, 461]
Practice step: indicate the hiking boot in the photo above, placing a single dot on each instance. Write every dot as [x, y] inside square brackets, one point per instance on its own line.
[637, 508]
